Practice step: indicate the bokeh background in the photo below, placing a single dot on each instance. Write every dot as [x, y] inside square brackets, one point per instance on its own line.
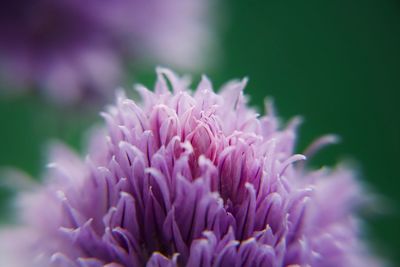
[336, 63]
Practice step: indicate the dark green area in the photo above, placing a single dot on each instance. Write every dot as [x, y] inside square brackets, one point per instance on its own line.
[337, 63]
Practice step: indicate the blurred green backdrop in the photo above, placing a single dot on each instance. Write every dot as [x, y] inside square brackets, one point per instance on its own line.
[337, 63]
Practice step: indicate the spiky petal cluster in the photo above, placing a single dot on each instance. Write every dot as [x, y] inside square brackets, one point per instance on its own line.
[73, 51]
[191, 179]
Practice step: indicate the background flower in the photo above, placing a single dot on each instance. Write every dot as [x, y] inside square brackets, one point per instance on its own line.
[74, 51]
[191, 179]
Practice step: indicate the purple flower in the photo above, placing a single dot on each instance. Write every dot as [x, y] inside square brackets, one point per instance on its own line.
[190, 179]
[74, 51]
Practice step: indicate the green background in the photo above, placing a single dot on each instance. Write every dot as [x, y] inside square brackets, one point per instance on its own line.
[337, 63]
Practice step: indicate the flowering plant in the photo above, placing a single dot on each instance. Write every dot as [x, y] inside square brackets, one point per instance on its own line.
[190, 179]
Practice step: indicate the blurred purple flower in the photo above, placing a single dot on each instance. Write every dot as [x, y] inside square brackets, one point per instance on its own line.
[75, 51]
[190, 179]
